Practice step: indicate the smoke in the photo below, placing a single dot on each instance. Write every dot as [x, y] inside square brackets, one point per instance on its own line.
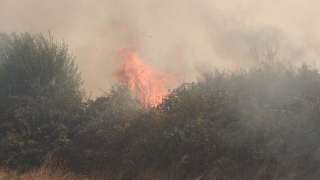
[185, 37]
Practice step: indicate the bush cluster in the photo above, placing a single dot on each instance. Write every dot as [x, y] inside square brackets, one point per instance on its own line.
[260, 123]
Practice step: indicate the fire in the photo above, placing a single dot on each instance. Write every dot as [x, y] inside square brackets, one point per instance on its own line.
[148, 83]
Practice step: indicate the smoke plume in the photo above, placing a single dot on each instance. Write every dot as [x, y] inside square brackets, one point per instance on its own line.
[184, 37]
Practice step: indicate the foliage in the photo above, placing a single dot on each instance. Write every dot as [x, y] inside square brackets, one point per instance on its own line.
[40, 100]
[263, 119]
[259, 123]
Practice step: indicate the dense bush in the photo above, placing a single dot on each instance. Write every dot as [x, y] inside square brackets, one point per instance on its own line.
[260, 123]
[263, 122]
[41, 98]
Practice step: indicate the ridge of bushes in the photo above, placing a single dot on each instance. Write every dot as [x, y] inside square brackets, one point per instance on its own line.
[260, 123]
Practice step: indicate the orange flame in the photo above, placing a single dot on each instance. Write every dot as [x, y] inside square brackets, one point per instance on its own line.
[149, 84]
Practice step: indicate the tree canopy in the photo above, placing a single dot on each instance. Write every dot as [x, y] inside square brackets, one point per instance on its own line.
[37, 66]
[40, 96]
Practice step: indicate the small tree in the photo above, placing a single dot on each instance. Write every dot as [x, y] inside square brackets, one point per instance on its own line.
[40, 96]
[33, 65]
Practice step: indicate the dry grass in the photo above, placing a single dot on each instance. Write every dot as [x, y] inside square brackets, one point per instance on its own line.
[49, 170]
[51, 174]
[7, 174]
[40, 174]
[54, 173]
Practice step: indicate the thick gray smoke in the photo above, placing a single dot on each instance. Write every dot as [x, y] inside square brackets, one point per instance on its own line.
[184, 36]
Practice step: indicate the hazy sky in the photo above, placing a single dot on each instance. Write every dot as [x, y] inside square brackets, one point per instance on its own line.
[187, 37]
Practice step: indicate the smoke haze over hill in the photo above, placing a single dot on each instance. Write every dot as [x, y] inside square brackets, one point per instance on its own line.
[185, 37]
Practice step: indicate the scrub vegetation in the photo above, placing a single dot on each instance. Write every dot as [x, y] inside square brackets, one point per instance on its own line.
[257, 123]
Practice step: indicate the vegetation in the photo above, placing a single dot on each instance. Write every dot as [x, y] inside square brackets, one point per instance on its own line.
[260, 123]
[40, 98]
